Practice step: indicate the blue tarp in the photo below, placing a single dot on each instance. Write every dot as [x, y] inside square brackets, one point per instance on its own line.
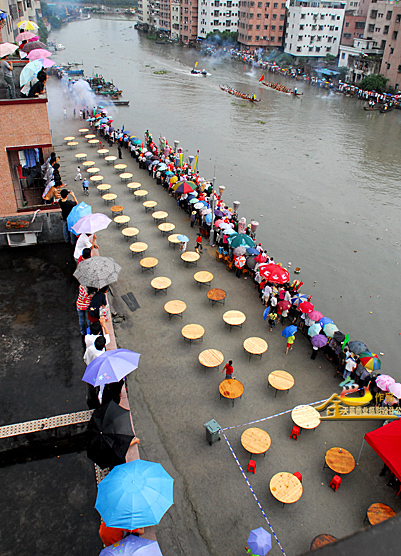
[325, 71]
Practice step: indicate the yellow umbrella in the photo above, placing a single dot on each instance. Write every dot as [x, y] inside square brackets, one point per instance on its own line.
[28, 25]
[173, 179]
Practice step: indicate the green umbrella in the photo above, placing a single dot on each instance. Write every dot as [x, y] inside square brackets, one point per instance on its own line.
[241, 240]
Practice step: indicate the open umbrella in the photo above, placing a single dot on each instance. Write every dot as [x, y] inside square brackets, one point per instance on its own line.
[289, 331]
[357, 347]
[28, 25]
[250, 262]
[240, 261]
[46, 62]
[395, 389]
[252, 251]
[319, 340]
[284, 304]
[260, 541]
[315, 315]
[133, 546]
[135, 494]
[384, 382]
[325, 320]
[261, 258]
[198, 205]
[91, 223]
[109, 435]
[230, 232]
[329, 329]
[39, 53]
[184, 186]
[183, 238]
[77, 212]
[241, 250]
[111, 366]
[274, 273]
[25, 36]
[298, 299]
[338, 336]
[7, 48]
[97, 272]
[370, 360]
[314, 329]
[306, 307]
[30, 70]
[33, 46]
[241, 239]
[218, 213]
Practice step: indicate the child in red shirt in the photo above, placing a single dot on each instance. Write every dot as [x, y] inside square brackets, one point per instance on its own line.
[229, 370]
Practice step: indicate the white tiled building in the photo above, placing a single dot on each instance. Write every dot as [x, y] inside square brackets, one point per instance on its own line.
[314, 28]
[217, 15]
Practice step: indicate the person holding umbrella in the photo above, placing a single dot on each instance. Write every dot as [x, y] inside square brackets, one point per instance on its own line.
[289, 333]
[7, 68]
[66, 206]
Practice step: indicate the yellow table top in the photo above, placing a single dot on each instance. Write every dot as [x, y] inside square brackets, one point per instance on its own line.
[305, 416]
[116, 208]
[69, 138]
[173, 238]
[109, 196]
[110, 158]
[134, 185]
[119, 167]
[340, 460]
[90, 136]
[256, 441]
[93, 170]
[203, 276]
[193, 331]
[97, 177]
[140, 193]
[138, 247]
[126, 175]
[81, 155]
[93, 141]
[72, 143]
[255, 346]
[160, 283]
[103, 151]
[159, 214]
[166, 227]
[231, 388]
[286, 488]
[88, 163]
[83, 130]
[122, 219]
[190, 256]
[175, 307]
[211, 358]
[281, 380]
[149, 204]
[379, 512]
[234, 318]
[130, 232]
[103, 186]
[148, 262]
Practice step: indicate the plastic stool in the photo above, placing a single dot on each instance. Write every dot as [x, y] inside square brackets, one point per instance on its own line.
[335, 482]
[295, 433]
[298, 475]
[251, 466]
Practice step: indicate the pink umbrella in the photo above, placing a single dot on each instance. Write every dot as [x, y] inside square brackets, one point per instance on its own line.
[315, 315]
[218, 222]
[25, 36]
[240, 261]
[47, 63]
[384, 382]
[395, 389]
[39, 53]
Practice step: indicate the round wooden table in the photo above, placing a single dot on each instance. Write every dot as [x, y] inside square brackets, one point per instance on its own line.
[149, 205]
[190, 257]
[117, 209]
[148, 263]
[90, 136]
[93, 170]
[166, 228]
[72, 144]
[83, 130]
[280, 380]
[102, 152]
[286, 488]
[102, 187]
[126, 176]
[231, 389]
[122, 220]
[110, 159]
[109, 197]
[130, 232]
[88, 163]
[96, 178]
[119, 167]
[193, 332]
[216, 295]
[175, 307]
[305, 417]
[69, 138]
[161, 284]
[322, 540]
[234, 318]
[172, 240]
[138, 247]
[211, 358]
[93, 142]
[255, 346]
[80, 156]
[134, 186]
[379, 512]
[203, 277]
[140, 194]
[256, 441]
[159, 215]
[339, 460]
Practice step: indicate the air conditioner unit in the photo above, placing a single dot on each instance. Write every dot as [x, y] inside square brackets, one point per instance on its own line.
[21, 239]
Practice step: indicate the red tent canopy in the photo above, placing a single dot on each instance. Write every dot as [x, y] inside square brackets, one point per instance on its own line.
[386, 442]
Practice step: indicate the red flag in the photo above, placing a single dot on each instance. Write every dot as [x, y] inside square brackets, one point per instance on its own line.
[262, 78]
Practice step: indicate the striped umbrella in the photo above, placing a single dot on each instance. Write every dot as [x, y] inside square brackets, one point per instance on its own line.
[298, 298]
[240, 261]
[370, 361]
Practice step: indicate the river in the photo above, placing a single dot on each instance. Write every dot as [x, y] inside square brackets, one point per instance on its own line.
[319, 173]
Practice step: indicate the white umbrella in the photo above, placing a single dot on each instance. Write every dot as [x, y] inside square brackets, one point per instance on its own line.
[7, 48]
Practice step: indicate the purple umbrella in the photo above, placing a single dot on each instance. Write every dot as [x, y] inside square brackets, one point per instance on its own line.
[133, 546]
[319, 340]
[218, 213]
[111, 366]
[260, 541]
[91, 223]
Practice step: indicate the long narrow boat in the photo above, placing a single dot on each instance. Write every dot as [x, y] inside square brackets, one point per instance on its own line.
[238, 94]
[372, 107]
[281, 89]
[387, 108]
[119, 102]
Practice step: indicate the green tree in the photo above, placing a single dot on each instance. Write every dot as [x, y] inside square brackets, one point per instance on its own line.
[219, 38]
[374, 82]
[42, 31]
[55, 22]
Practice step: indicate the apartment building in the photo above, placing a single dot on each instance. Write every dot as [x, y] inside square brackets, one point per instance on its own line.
[143, 12]
[217, 15]
[189, 21]
[17, 10]
[378, 22]
[175, 18]
[314, 28]
[391, 62]
[261, 24]
[354, 26]
[165, 16]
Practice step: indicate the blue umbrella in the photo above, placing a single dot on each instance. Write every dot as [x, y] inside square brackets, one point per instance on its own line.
[133, 546]
[29, 71]
[252, 251]
[208, 218]
[325, 320]
[76, 213]
[169, 173]
[230, 232]
[289, 331]
[266, 312]
[136, 141]
[135, 494]
[183, 238]
[260, 541]
[162, 167]
[314, 329]
[111, 366]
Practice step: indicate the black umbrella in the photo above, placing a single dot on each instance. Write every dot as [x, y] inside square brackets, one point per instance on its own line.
[33, 46]
[109, 435]
[338, 336]
[250, 263]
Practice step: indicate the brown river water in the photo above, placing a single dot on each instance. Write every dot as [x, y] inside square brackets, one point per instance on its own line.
[321, 175]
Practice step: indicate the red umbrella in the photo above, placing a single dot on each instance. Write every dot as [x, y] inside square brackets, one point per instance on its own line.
[284, 305]
[274, 273]
[260, 258]
[240, 261]
[306, 307]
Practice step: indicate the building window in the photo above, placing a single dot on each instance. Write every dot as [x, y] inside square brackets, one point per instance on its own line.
[399, 71]
[318, 49]
[347, 35]
[386, 28]
[347, 24]
[299, 48]
[391, 50]
[275, 5]
[360, 25]
[259, 4]
[328, 48]
[228, 23]
[256, 37]
[300, 37]
[273, 27]
[343, 56]
[388, 66]
[265, 27]
[257, 27]
[266, 16]
[251, 16]
[265, 38]
[303, 16]
[250, 27]
[267, 5]
[398, 18]
[272, 39]
[258, 16]
[389, 14]
[371, 28]
[395, 35]
[249, 38]
[301, 27]
[373, 14]
[283, 6]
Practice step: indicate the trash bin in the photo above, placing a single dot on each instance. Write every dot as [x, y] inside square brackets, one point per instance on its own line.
[212, 431]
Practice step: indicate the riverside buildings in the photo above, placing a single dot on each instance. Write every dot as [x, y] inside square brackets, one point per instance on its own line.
[217, 15]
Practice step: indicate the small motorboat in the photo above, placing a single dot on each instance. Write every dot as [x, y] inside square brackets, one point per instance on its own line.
[60, 47]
